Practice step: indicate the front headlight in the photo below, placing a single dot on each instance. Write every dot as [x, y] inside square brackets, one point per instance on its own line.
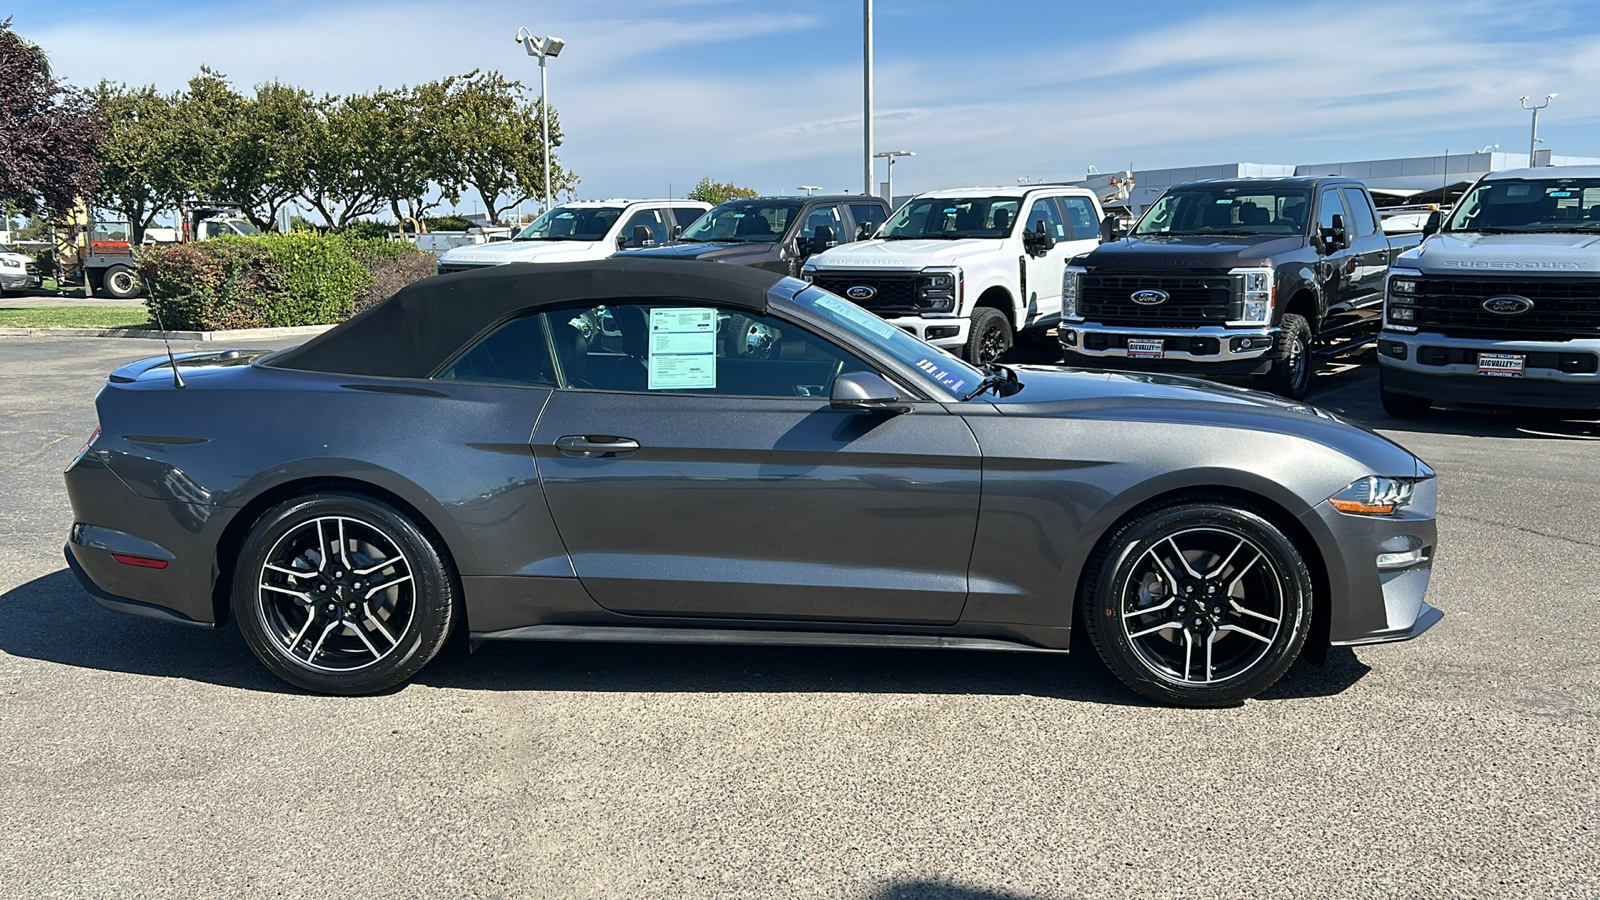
[808, 274]
[939, 289]
[1256, 288]
[1071, 287]
[10, 264]
[1400, 300]
[1374, 495]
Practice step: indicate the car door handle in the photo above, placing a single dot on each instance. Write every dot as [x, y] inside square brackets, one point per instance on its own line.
[584, 446]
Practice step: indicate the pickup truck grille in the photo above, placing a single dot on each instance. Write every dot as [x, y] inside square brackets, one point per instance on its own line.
[1563, 308]
[896, 291]
[31, 268]
[1193, 300]
[453, 268]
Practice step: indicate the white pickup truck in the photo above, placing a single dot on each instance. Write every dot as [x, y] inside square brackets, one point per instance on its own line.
[581, 231]
[967, 270]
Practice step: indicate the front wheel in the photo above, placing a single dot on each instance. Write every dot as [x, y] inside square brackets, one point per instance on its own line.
[342, 594]
[120, 282]
[1198, 604]
[989, 337]
[1291, 372]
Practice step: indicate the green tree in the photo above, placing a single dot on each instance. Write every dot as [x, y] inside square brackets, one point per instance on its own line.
[136, 176]
[48, 132]
[264, 168]
[497, 138]
[715, 192]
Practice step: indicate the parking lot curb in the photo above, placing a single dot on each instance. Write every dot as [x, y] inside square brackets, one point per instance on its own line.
[239, 334]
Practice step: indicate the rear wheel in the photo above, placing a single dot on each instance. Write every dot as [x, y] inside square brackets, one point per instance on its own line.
[1198, 604]
[1402, 406]
[342, 594]
[121, 282]
[989, 337]
[1291, 371]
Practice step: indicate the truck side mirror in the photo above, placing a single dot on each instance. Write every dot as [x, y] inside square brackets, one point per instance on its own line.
[1431, 227]
[1110, 229]
[822, 239]
[863, 231]
[1039, 241]
[1334, 237]
[642, 236]
[677, 232]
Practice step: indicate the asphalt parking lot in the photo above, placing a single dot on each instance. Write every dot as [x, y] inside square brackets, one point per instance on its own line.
[150, 760]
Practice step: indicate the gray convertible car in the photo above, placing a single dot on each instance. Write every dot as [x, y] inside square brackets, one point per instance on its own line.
[644, 451]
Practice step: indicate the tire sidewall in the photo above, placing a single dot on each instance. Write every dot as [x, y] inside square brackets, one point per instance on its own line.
[424, 635]
[109, 280]
[1102, 603]
[1296, 334]
[981, 319]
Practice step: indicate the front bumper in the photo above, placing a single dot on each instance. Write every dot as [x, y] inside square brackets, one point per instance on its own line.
[1559, 374]
[947, 332]
[1207, 349]
[19, 281]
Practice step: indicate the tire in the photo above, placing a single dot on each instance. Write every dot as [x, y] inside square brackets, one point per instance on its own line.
[1402, 406]
[1291, 372]
[989, 338]
[1252, 565]
[121, 282]
[354, 638]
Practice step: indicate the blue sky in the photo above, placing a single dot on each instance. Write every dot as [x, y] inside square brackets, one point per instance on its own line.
[768, 94]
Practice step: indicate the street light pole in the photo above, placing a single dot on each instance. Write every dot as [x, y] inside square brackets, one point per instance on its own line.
[544, 48]
[1533, 136]
[866, 92]
[810, 189]
[891, 156]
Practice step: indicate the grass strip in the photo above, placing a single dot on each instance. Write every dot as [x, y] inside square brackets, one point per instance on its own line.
[75, 317]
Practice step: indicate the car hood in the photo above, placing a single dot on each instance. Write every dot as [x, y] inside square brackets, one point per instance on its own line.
[1053, 392]
[738, 254]
[1191, 251]
[1555, 254]
[522, 251]
[912, 254]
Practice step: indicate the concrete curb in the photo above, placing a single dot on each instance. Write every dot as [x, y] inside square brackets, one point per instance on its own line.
[242, 334]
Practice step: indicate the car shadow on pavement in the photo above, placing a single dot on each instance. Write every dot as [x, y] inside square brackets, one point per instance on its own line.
[53, 620]
[939, 890]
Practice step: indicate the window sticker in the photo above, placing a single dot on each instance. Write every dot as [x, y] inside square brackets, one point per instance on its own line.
[683, 349]
[932, 369]
[854, 314]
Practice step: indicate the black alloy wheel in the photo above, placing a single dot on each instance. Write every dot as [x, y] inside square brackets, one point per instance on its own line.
[1199, 604]
[121, 282]
[989, 338]
[1291, 372]
[342, 594]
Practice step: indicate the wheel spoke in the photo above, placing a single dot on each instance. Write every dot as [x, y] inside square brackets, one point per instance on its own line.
[301, 595]
[325, 632]
[344, 557]
[1244, 631]
[1182, 559]
[363, 636]
[1250, 612]
[1150, 609]
[311, 616]
[292, 573]
[1162, 627]
[1211, 640]
[383, 565]
[1188, 651]
[1222, 566]
[1234, 585]
[322, 548]
[373, 620]
[385, 586]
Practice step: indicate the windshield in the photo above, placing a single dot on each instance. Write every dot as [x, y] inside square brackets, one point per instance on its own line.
[943, 372]
[952, 218]
[6, 248]
[1555, 204]
[1240, 209]
[566, 223]
[744, 221]
[245, 227]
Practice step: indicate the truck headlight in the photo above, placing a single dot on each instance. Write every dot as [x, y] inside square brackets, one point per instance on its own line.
[808, 274]
[939, 289]
[1400, 300]
[1071, 287]
[10, 263]
[1256, 289]
[1374, 495]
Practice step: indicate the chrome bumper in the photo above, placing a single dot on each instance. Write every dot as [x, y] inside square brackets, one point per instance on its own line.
[1075, 337]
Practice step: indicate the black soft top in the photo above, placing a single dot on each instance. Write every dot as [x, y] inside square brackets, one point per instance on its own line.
[422, 327]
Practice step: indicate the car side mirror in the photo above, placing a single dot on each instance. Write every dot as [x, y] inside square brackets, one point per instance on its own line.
[642, 236]
[866, 391]
[1110, 229]
[1431, 227]
[1039, 241]
[823, 238]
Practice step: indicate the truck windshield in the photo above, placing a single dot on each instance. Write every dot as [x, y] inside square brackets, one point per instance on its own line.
[1544, 204]
[942, 371]
[952, 218]
[1227, 210]
[744, 222]
[566, 223]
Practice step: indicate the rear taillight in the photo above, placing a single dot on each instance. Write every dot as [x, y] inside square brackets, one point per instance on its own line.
[93, 436]
[143, 562]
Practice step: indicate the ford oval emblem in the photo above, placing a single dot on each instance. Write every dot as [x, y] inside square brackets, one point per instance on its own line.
[861, 292]
[1149, 298]
[1507, 305]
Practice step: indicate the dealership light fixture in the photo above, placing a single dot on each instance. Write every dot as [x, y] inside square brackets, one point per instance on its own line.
[891, 156]
[810, 188]
[1533, 136]
[545, 48]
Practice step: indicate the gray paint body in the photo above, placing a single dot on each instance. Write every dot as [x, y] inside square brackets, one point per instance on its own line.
[965, 519]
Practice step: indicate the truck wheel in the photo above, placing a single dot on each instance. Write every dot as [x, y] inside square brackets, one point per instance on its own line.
[1291, 371]
[989, 338]
[1402, 406]
[120, 282]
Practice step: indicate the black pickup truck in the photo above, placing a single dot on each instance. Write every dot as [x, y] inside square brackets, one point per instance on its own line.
[775, 233]
[1238, 278]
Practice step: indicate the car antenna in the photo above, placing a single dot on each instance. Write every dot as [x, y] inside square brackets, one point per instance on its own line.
[177, 377]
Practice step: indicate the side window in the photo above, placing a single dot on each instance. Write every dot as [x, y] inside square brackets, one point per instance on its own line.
[1366, 221]
[514, 353]
[686, 215]
[1078, 213]
[681, 347]
[1045, 209]
[868, 216]
[649, 218]
[1328, 207]
[822, 215]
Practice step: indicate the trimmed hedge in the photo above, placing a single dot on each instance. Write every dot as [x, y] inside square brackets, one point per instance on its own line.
[300, 278]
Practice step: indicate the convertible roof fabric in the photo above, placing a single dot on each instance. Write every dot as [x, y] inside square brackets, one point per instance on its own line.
[422, 327]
